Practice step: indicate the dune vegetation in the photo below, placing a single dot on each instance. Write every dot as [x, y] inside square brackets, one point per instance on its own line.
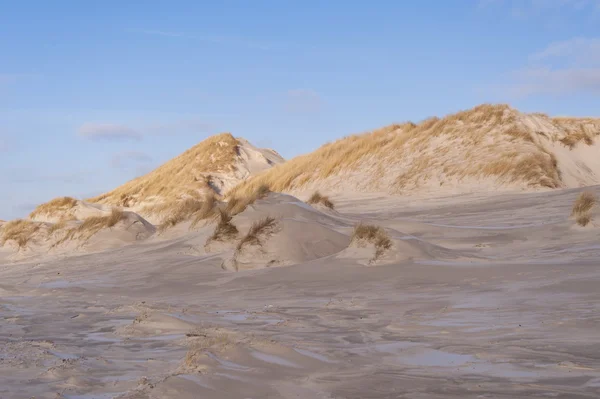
[53, 207]
[225, 229]
[258, 232]
[187, 175]
[318, 198]
[92, 225]
[583, 206]
[20, 231]
[493, 142]
[375, 235]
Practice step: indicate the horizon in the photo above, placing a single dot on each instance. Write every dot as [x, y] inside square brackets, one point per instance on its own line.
[90, 99]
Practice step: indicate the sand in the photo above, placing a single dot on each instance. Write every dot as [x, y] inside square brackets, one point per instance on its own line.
[481, 296]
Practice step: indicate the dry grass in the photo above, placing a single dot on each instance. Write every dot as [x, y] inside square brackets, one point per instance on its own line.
[583, 219]
[91, 226]
[583, 206]
[21, 231]
[488, 141]
[238, 204]
[188, 173]
[54, 206]
[375, 235]
[317, 198]
[225, 230]
[207, 211]
[584, 203]
[258, 232]
[184, 210]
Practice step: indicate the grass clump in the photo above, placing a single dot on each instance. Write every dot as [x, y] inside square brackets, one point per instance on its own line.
[583, 206]
[188, 208]
[375, 235]
[53, 206]
[318, 198]
[584, 203]
[258, 231]
[92, 225]
[206, 211]
[21, 231]
[238, 204]
[225, 229]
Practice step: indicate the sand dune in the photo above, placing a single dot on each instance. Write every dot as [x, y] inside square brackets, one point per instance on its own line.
[491, 147]
[212, 167]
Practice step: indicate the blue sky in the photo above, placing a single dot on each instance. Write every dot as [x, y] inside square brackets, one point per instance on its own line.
[94, 93]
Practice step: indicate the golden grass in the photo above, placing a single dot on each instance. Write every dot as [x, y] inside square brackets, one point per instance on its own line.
[318, 198]
[207, 211]
[375, 235]
[258, 232]
[486, 141]
[54, 206]
[187, 173]
[21, 231]
[577, 130]
[91, 226]
[583, 206]
[182, 210]
[584, 203]
[238, 204]
[224, 230]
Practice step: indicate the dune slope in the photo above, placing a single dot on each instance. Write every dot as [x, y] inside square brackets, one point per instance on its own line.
[490, 147]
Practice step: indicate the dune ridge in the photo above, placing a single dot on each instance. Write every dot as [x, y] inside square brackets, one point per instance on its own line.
[490, 147]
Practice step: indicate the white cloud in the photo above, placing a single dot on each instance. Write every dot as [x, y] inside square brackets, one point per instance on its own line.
[107, 131]
[576, 51]
[521, 9]
[563, 67]
[545, 80]
[303, 101]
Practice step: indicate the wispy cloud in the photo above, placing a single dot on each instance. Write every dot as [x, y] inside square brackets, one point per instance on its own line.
[579, 50]
[563, 67]
[522, 9]
[221, 40]
[303, 101]
[107, 131]
[111, 131]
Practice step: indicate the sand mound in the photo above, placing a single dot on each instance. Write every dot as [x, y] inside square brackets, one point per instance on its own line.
[105, 229]
[65, 209]
[281, 230]
[212, 167]
[491, 147]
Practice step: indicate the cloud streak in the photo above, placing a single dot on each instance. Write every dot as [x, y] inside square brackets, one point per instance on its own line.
[120, 132]
[561, 68]
[107, 131]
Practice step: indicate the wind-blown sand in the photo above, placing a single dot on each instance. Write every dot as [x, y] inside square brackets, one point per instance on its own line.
[487, 295]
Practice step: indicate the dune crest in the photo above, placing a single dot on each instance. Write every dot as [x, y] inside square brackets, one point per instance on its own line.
[490, 147]
[211, 167]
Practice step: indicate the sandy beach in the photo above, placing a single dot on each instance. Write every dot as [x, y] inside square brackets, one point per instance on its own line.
[500, 300]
